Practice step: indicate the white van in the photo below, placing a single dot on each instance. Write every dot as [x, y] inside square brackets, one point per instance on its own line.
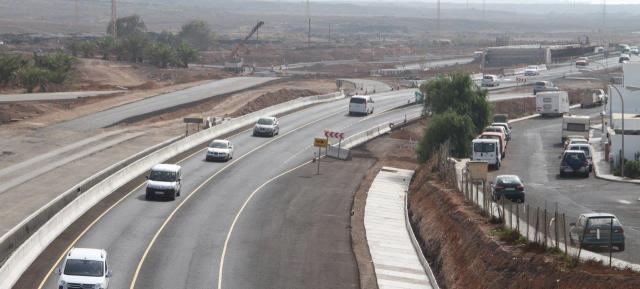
[486, 150]
[489, 80]
[361, 104]
[552, 103]
[84, 268]
[575, 125]
[164, 181]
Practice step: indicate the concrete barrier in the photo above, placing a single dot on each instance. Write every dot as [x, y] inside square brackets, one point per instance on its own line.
[22, 231]
[22, 257]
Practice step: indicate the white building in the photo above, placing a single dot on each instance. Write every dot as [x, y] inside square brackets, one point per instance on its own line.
[629, 92]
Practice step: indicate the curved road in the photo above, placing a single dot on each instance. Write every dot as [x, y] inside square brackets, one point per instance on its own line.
[154, 244]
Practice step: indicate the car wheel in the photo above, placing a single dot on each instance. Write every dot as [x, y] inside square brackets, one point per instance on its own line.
[586, 175]
[621, 247]
[179, 191]
[173, 197]
[561, 174]
[147, 196]
[499, 164]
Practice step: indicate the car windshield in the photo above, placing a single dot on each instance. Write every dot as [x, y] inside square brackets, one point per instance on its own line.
[574, 157]
[265, 121]
[488, 77]
[540, 83]
[576, 126]
[602, 221]
[218, 145]
[357, 100]
[585, 149]
[90, 268]
[162, 176]
[484, 147]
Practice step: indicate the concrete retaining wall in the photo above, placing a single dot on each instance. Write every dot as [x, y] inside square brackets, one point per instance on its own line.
[29, 250]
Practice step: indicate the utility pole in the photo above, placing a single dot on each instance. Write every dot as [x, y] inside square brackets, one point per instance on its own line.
[309, 32]
[438, 24]
[114, 19]
[604, 13]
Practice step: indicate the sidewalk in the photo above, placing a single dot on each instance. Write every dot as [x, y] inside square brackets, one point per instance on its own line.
[601, 167]
[396, 261]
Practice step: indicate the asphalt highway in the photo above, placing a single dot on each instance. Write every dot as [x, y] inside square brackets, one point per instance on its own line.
[533, 155]
[183, 244]
[161, 102]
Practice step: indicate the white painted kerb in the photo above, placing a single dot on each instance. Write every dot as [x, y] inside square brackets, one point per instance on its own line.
[394, 258]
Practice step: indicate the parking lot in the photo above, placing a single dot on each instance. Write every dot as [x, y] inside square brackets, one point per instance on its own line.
[533, 154]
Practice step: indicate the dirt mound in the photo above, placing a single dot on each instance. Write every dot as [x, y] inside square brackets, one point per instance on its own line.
[463, 255]
[272, 98]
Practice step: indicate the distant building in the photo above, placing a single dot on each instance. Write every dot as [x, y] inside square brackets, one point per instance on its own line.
[513, 55]
[628, 90]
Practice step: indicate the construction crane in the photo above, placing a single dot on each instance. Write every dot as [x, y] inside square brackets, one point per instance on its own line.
[235, 62]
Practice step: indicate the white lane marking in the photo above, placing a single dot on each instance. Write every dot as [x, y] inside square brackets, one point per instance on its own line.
[197, 189]
[235, 219]
[624, 202]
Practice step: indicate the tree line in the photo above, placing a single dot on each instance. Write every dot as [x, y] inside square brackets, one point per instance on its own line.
[135, 44]
[38, 71]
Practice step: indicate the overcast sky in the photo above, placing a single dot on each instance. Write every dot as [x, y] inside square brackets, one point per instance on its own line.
[609, 2]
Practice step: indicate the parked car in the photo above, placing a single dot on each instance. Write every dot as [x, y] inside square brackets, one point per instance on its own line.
[509, 187]
[164, 180]
[506, 127]
[634, 50]
[501, 118]
[220, 149]
[487, 150]
[490, 80]
[574, 162]
[595, 230]
[586, 148]
[575, 139]
[84, 268]
[532, 70]
[544, 85]
[500, 136]
[361, 104]
[498, 129]
[268, 126]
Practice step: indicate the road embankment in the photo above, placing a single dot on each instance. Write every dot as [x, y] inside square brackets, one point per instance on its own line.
[466, 251]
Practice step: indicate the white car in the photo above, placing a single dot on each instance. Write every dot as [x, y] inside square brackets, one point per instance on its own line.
[532, 70]
[490, 80]
[268, 126]
[361, 104]
[634, 50]
[220, 149]
[164, 180]
[84, 268]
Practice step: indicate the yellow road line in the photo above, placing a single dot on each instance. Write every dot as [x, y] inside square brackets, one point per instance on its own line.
[170, 217]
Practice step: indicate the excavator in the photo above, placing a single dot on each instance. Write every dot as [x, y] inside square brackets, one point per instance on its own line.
[235, 62]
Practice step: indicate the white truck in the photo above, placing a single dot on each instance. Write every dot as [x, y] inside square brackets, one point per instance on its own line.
[552, 103]
[575, 125]
[593, 99]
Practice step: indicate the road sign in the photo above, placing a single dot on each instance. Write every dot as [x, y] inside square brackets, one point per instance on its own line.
[193, 120]
[333, 134]
[521, 79]
[320, 142]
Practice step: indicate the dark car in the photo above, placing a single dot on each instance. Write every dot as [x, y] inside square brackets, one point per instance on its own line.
[574, 162]
[509, 187]
[595, 230]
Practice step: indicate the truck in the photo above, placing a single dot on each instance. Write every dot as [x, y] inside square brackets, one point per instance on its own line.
[593, 99]
[575, 125]
[552, 103]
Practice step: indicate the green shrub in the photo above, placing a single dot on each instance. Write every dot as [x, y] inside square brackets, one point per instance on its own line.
[632, 169]
[457, 129]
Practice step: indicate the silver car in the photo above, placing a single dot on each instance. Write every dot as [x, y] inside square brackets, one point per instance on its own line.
[266, 126]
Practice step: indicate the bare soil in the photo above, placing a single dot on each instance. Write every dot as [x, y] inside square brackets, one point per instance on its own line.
[515, 108]
[464, 253]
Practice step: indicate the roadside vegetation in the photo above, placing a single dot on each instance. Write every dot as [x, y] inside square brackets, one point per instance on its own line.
[134, 44]
[460, 111]
[38, 72]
